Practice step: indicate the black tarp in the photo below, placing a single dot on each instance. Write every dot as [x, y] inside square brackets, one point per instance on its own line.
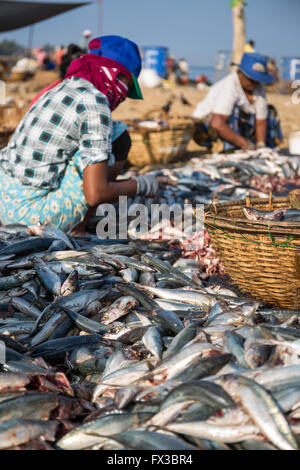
[14, 15]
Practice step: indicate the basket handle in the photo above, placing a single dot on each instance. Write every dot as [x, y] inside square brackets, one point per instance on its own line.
[270, 200]
[214, 203]
[148, 114]
[247, 201]
[145, 130]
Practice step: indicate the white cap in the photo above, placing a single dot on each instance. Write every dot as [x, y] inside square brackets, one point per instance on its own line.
[87, 33]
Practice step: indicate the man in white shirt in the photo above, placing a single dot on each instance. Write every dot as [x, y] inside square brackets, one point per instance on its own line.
[236, 108]
[184, 71]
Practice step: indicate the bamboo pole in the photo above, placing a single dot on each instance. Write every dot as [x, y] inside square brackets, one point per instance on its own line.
[239, 30]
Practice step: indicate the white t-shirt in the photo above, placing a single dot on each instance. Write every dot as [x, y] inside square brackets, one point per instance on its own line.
[183, 66]
[225, 94]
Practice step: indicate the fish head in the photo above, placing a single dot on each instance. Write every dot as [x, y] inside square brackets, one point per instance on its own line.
[250, 213]
[276, 215]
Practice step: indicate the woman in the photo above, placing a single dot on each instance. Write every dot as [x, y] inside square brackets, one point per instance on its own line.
[235, 112]
[73, 52]
[59, 165]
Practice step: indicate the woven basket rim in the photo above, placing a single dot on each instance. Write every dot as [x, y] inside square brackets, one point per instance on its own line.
[181, 124]
[212, 219]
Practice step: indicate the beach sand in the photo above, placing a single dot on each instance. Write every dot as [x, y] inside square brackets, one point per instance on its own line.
[289, 113]
[154, 99]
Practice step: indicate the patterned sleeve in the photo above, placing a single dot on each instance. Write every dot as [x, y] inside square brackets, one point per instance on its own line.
[95, 130]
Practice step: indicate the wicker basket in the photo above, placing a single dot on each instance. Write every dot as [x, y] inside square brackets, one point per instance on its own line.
[163, 144]
[261, 257]
[5, 135]
[10, 116]
[19, 76]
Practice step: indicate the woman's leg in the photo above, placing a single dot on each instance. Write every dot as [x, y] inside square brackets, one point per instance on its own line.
[62, 207]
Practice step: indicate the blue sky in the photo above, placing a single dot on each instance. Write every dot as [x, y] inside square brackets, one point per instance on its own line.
[194, 29]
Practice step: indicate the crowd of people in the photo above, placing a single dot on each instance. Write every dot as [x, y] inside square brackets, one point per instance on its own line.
[58, 58]
[177, 72]
[61, 56]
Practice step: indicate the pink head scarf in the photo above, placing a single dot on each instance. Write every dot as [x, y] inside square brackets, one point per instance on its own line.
[103, 74]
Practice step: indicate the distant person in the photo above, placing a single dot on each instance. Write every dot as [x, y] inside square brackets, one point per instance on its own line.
[40, 57]
[171, 69]
[249, 46]
[48, 64]
[235, 112]
[204, 80]
[86, 36]
[59, 55]
[73, 52]
[184, 70]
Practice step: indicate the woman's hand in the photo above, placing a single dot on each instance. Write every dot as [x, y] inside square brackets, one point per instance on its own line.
[147, 185]
[98, 189]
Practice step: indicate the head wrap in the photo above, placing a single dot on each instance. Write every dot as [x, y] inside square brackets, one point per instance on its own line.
[103, 73]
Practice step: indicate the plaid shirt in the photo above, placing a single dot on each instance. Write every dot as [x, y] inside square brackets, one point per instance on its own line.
[74, 116]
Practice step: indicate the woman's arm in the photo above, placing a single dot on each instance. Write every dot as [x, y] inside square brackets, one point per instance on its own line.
[98, 189]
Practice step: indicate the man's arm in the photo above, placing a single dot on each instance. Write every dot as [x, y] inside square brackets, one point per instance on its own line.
[219, 123]
[261, 130]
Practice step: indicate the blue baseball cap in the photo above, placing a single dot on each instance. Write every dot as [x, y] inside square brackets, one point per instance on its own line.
[123, 51]
[255, 66]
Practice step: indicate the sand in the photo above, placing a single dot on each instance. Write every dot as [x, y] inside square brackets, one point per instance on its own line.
[289, 113]
[154, 99]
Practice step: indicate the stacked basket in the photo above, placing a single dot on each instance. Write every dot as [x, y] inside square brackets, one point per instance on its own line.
[163, 144]
[262, 257]
[5, 134]
[10, 116]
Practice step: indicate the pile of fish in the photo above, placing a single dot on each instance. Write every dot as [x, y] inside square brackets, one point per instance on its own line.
[235, 176]
[120, 345]
[277, 185]
[242, 165]
[280, 215]
[199, 247]
[229, 176]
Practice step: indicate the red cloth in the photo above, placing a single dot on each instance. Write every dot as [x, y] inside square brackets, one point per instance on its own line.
[44, 90]
[103, 74]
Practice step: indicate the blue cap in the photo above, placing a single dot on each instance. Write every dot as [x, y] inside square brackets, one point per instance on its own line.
[255, 66]
[123, 51]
